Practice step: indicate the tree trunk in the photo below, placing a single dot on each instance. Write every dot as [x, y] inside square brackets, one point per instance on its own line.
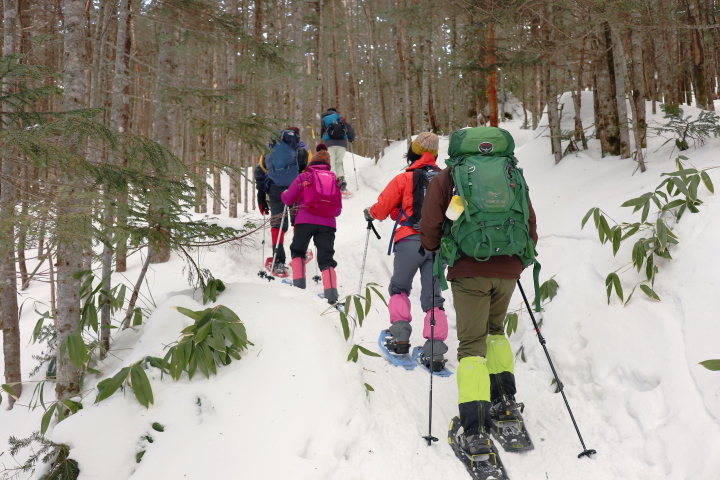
[638, 87]
[579, 135]
[9, 318]
[426, 54]
[492, 93]
[698, 58]
[124, 100]
[620, 55]
[352, 93]
[159, 248]
[549, 65]
[119, 114]
[616, 56]
[606, 129]
[70, 249]
[231, 49]
[406, 109]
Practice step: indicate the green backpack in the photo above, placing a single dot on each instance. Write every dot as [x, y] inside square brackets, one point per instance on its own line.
[495, 219]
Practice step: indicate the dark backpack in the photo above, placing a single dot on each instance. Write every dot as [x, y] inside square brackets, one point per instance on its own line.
[421, 179]
[334, 127]
[282, 160]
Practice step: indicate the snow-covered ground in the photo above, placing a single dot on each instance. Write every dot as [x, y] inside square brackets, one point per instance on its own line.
[293, 407]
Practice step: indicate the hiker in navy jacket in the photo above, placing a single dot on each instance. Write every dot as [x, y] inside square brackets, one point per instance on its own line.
[269, 202]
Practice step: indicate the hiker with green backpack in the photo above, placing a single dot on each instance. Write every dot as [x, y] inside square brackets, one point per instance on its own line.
[478, 219]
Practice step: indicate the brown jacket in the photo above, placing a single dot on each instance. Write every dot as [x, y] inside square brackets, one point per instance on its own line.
[436, 201]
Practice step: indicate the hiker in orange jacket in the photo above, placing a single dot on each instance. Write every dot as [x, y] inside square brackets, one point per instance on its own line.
[402, 200]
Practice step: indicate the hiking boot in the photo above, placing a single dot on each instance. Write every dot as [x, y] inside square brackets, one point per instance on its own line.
[504, 407]
[280, 270]
[438, 349]
[399, 340]
[342, 184]
[475, 443]
[400, 348]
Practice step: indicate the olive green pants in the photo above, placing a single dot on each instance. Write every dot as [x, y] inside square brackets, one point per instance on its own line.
[486, 359]
[480, 308]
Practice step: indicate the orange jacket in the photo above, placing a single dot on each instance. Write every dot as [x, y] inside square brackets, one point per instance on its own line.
[399, 193]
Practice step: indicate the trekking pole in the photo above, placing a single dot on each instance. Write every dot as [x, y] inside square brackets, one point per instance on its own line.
[263, 273]
[357, 185]
[429, 436]
[317, 276]
[586, 452]
[277, 243]
[367, 239]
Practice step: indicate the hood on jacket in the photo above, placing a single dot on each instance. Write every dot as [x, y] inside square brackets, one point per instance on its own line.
[427, 159]
[318, 166]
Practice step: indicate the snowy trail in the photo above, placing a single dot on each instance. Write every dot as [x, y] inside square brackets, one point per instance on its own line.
[630, 372]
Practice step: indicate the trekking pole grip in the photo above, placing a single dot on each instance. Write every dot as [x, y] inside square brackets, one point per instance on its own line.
[371, 226]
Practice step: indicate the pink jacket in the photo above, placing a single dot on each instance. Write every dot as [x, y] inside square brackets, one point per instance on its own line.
[294, 194]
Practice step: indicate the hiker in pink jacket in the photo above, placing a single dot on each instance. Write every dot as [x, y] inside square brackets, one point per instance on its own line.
[318, 202]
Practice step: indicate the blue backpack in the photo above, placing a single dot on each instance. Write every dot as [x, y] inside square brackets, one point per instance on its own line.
[334, 127]
[282, 160]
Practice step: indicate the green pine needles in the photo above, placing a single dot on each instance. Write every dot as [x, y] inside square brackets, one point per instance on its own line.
[685, 130]
[56, 455]
[674, 196]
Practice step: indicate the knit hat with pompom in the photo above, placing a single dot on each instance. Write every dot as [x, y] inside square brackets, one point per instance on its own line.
[425, 142]
[320, 157]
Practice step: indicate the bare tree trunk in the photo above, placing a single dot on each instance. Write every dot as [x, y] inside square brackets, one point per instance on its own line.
[426, 52]
[615, 48]
[606, 126]
[121, 245]
[698, 58]
[70, 249]
[352, 93]
[119, 114]
[452, 123]
[159, 248]
[620, 54]
[231, 48]
[135, 293]
[406, 110]
[577, 100]
[665, 58]
[9, 318]
[549, 65]
[492, 93]
[638, 86]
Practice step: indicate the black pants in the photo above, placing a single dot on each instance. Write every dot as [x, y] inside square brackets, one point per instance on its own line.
[324, 239]
[276, 208]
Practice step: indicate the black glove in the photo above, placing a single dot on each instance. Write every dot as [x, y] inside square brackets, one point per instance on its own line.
[263, 204]
[368, 217]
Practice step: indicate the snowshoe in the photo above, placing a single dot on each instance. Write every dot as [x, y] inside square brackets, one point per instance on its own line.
[439, 369]
[277, 270]
[346, 194]
[509, 427]
[339, 306]
[308, 257]
[480, 467]
[388, 348]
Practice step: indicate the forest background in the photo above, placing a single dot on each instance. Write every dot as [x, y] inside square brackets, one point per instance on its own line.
[117, 115]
